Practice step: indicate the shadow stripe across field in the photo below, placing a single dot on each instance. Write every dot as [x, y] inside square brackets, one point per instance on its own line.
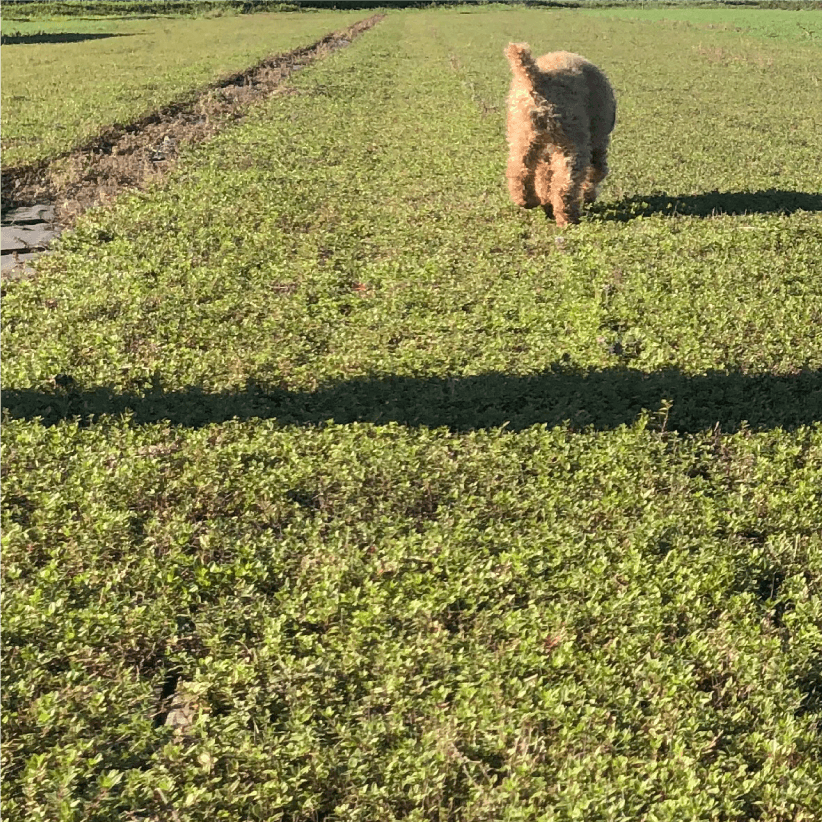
[601, 400]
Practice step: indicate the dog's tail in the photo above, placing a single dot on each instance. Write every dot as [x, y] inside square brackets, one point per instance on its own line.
[522, 63]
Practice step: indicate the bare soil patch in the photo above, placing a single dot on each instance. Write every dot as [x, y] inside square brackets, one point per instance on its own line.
[133, 155]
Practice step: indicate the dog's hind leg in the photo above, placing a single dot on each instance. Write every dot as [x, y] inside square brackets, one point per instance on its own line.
[568, 176]
[542, 184]
[597, 172]
[521, 186]
[542, 180]
[520, 173]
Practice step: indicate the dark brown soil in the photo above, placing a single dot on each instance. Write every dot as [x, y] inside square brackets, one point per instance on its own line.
[132, 156]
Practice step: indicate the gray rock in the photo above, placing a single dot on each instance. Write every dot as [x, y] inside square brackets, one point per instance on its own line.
[30, 214]
[27, 237]
[15, 265]
[180, 717]
[25, 233]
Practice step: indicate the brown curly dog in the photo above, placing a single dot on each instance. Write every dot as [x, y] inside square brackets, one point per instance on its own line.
[561, 111]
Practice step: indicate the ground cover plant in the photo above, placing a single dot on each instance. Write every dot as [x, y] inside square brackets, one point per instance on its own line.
[338, 488]
[803, 25]
[66, 81]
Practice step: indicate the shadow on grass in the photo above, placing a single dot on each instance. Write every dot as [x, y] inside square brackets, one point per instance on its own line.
[40, 37]
[600, 400]
[711, 203]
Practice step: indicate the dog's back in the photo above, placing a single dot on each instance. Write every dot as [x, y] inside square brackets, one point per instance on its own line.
[582, 77]
[563, 75]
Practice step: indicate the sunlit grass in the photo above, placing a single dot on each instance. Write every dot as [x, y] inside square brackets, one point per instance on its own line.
[57, 95]
[803, 26]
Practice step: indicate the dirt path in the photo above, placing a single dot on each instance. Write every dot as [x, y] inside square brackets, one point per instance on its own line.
[41, 199]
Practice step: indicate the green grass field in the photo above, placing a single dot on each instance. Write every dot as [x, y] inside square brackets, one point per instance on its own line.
[65, 80]
[403, 503]
[801, 25]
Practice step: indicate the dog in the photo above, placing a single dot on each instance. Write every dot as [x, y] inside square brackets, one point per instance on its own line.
[561, 112]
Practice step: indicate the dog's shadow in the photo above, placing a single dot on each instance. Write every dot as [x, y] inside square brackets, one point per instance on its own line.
[709, 204]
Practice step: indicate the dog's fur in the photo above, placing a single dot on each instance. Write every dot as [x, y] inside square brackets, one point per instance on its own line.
[561, 111]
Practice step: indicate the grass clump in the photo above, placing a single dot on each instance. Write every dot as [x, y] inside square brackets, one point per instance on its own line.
[546, 622]
[337, 487]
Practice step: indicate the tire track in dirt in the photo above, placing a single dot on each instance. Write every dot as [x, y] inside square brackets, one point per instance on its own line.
[142, 152]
